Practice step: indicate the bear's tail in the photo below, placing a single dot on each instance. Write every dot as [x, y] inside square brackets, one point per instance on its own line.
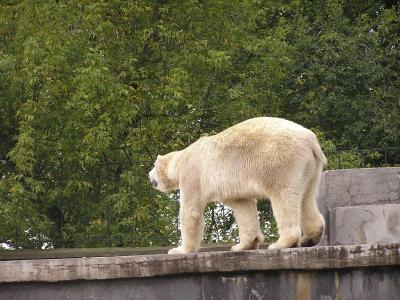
[320, 156]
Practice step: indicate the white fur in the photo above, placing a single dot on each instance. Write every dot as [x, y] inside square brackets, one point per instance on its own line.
[260, 158]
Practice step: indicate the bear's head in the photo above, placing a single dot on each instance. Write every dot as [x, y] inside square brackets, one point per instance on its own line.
[163, 176]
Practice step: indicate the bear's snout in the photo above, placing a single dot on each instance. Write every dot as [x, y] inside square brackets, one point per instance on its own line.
[152, 177]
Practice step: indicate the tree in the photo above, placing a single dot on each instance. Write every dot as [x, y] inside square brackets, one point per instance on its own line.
[92, 91]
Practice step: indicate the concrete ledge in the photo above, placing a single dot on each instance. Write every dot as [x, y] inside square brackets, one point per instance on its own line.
[78, 252]
[98, 252]
[97, 268]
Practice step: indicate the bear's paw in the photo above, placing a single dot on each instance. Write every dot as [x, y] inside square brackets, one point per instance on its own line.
[177, 250]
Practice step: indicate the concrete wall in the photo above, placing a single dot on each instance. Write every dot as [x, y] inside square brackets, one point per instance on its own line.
[341, 272]
[359, 187]
[372, 283]
[364, 224]
[354, 187]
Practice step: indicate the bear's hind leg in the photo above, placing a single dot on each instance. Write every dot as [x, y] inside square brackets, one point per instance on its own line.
[312, 221]
[286, 210]
[250, 235]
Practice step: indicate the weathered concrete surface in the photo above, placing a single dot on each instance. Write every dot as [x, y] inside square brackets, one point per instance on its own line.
[341, 272]
[353, 187]
[365, 224]
[364, 283]
[354, 283]
[97, 268]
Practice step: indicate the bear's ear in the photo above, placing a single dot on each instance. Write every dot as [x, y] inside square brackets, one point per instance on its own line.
[158, 156]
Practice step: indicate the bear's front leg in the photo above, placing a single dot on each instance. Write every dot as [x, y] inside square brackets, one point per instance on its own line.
[191, 215]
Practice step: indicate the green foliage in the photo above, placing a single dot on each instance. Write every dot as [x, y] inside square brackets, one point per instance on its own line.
[91, 91]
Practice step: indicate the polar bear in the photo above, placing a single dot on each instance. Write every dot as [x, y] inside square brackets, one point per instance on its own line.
[259, 158]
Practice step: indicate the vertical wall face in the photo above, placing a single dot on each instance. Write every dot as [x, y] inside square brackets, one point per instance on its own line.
[365, 224]
[342, 199]
[373, 283]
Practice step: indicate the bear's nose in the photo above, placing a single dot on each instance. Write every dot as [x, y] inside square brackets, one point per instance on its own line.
[154, 183]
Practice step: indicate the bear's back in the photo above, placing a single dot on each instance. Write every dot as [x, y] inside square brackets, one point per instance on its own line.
[268, 129]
